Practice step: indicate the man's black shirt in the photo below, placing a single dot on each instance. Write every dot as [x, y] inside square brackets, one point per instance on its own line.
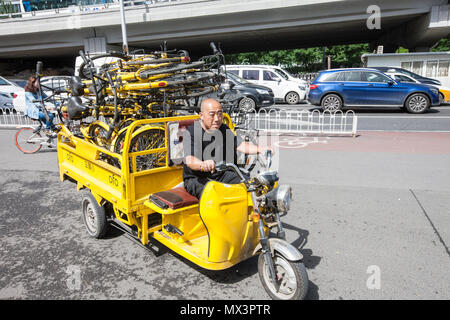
[218, 145]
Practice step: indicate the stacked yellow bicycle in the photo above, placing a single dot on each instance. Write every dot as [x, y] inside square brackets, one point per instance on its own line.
[106, 97]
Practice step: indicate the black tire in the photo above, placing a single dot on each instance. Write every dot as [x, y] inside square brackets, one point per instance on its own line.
[83, 70]
[331, 102]
[178, 67]
[282, 266]
[28, 141]
[94, 216]
[417, 103]
[195, 77]
[292, 97]
[441, 98]
[246, 104]
[98, 135]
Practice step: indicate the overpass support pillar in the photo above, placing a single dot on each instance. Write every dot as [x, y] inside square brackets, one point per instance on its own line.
[98, 45]
[419, 35]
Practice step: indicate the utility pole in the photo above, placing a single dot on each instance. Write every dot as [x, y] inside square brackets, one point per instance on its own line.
[324, 65]
[124, 29]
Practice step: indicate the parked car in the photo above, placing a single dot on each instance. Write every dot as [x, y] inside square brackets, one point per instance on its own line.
[256, 96]
[416, 76]
[285, 87]
[364, 87]
[444, 92]
[5, 101]
[9, 87]
[19, 82]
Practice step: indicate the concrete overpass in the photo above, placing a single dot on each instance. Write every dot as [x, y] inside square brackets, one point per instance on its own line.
[240, 26]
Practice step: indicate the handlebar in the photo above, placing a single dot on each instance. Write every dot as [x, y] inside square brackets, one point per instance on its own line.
[268, 155]
[83, 56]
[223, 166]
[39, 68]
[214, 48]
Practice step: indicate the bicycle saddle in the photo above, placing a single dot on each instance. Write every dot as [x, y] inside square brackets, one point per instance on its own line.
[76, 86]
[75, 108]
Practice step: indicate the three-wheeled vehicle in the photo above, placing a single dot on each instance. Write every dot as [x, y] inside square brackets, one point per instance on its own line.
[144, 195]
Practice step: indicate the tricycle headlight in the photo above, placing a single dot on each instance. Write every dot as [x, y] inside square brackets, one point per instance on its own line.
[284, 196]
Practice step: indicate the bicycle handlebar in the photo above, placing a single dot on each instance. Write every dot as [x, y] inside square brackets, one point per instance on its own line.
[83, 56]
[213, 47]
[39, 68]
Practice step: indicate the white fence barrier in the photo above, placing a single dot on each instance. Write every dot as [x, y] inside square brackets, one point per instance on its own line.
[302, 122]
[10, 118]
[269, 121]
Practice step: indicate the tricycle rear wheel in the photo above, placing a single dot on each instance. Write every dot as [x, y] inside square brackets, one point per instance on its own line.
[291, 275]
[94, 217]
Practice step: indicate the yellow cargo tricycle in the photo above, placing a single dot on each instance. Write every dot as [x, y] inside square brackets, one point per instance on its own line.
[144, 195]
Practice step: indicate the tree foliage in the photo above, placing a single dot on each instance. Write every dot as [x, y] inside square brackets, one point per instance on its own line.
[313, 59]
[304, 60]
[442, 45]
[6, 7]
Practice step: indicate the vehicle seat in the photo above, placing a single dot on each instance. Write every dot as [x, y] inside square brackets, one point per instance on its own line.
[175, 198]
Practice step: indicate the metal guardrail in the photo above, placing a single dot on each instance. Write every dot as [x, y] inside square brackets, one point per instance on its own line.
[314, 122]
[269, 121]
[10, 118]
[94, 6]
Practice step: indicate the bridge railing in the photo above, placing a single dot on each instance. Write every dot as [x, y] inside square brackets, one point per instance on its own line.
[91, 6]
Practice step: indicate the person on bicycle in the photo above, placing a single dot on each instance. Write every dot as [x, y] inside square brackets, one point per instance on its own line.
[208, 142]
[33, 109]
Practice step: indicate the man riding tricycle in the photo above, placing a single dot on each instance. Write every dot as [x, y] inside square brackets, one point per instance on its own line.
[193, 198]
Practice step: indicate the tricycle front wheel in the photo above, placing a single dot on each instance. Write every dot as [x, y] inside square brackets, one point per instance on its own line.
[94, 217]
[292, 279]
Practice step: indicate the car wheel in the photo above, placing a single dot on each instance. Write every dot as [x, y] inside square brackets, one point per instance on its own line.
[292, 98]
[247, 104]
[417, 103]
[441, 98]
[331, 102]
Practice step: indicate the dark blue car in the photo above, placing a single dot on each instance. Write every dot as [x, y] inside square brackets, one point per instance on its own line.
[363, 87]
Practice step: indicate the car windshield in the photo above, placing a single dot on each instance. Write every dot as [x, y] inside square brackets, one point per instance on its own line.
[3, 82]
[236, 78]
[283, 73]
[409, 73]
[19, 83]
[402, 78]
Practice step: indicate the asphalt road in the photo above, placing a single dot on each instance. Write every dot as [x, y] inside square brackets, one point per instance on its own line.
[370, 215]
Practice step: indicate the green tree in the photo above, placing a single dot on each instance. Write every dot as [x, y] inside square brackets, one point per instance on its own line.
[442, 45]
[6, 7]
[304, 60]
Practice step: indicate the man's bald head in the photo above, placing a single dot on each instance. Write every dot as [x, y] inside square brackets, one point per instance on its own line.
[211, 114]
[210, 103]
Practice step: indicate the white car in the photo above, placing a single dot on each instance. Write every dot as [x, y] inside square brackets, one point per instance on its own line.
[9, 87]
[285, 87]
